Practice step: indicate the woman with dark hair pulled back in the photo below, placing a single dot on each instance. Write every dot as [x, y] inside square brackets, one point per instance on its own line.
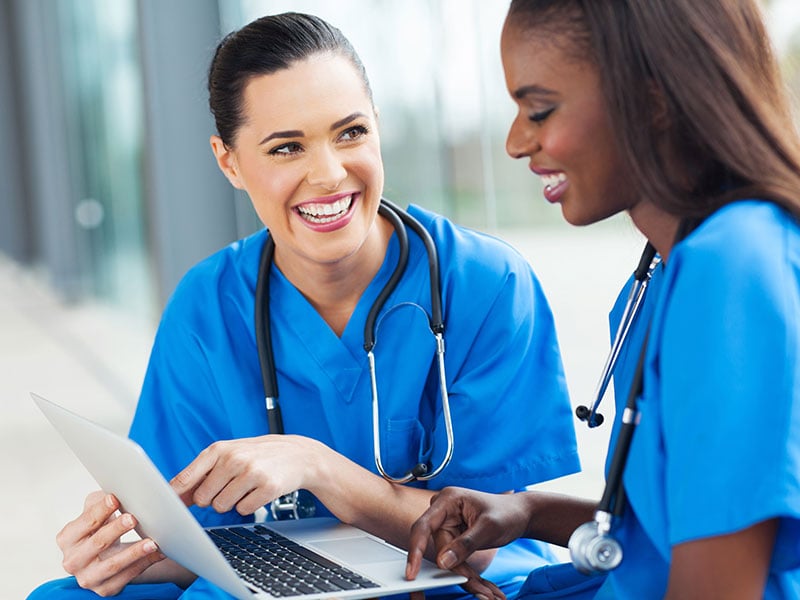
[298, 132]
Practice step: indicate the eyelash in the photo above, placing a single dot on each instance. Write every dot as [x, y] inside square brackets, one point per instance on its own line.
[360, 130]
[356, 132]
[540, 116]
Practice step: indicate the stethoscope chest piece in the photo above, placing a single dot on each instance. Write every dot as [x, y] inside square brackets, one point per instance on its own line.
[295, 505]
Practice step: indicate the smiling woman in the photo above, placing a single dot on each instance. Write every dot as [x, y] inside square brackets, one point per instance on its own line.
[297, 131]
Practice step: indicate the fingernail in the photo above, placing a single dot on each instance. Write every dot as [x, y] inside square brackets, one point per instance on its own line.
[149, 546]
[447, 560]
[109, 500]
[127, 520]
[481, 597]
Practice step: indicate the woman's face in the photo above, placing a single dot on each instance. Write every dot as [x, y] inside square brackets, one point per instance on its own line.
[562, 126]
[308, 155]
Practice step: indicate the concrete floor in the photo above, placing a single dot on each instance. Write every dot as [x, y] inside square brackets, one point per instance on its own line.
[92, 359]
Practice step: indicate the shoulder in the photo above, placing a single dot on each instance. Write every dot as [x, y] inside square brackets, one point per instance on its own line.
[464, 250]
[231, 271]
[738, 234]
[742, 243]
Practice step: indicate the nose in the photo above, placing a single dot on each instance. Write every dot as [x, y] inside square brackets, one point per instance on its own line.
[521, 140]
[326, 169]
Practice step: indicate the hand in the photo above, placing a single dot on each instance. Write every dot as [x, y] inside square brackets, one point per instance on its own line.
[248, 473]
[93, 551]
[460, 522]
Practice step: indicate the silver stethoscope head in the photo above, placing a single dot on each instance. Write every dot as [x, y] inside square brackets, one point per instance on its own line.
[641, 278]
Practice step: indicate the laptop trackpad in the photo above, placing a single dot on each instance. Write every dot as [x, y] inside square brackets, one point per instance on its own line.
[359, 550]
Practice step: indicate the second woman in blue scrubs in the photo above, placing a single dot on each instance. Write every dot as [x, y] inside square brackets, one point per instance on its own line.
[297, 130]
[673, 112]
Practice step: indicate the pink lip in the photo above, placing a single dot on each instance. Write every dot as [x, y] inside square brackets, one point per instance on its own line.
[554, 194]
[551, 194]
[339, 223]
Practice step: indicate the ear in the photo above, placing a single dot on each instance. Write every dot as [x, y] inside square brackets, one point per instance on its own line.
[226, 160]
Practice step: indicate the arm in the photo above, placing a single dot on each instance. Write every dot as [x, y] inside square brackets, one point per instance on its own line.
[248, 473]
[730, 566]
[460, 522]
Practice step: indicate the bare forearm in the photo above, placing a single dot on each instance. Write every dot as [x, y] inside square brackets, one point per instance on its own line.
[387, 510]
[553, 517]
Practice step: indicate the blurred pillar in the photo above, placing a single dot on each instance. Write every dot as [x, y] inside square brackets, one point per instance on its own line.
[16, 239]
[191, 208]
[42, 148]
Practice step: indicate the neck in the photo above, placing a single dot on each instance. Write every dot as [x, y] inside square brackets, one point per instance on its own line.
[657, 225]
[334, 288]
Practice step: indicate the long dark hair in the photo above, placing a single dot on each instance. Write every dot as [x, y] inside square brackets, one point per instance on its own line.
[706, 71]
[262, 47]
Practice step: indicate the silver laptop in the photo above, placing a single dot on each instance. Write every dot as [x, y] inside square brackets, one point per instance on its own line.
[306, 558]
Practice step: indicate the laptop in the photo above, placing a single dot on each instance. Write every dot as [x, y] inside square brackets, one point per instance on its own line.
[306, 558]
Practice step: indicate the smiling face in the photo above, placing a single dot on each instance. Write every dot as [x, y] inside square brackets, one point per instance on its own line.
[562, 126]
[308, 155]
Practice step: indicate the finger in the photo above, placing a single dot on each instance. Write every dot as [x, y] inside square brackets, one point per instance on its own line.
[234, 492]
[185, 482]
[93, 498]
[420, 536]
[417, 595]
[91, 549]
[110, 575]
[453, 548]
[478, 586]
[96, 513]
[251, 502]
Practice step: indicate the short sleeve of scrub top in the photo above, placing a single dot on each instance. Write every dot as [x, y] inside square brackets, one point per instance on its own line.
[511, 415]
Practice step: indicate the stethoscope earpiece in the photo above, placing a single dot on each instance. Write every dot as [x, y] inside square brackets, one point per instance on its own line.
[584, 414]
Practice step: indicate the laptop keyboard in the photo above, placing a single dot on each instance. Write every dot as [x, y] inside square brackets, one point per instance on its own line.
[280, 566]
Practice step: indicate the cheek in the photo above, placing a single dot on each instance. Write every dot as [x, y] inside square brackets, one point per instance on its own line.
[368, 167]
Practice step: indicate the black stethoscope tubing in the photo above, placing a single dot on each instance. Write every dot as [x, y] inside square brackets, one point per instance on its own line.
[592, 546]
[399, 219]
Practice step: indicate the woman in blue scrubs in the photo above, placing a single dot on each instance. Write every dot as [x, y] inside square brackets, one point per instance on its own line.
[672, 111]
[297, 130]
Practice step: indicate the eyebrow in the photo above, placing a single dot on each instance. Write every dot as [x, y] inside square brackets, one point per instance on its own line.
[295, 133]
[532, 90]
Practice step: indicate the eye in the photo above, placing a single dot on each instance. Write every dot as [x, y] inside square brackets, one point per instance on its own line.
[287, 148]
[541, 115]
[353, 133]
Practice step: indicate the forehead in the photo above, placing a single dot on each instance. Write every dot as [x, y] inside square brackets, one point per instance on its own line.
[541, 56]
[321, 85]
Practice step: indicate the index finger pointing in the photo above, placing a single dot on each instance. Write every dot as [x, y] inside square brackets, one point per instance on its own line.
[421, 535]
[185, 482]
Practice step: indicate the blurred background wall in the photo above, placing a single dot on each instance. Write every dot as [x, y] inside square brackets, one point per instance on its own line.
[109, 192]
[108, 187]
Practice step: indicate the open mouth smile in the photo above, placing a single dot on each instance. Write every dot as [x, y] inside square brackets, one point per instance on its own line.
[320, 213]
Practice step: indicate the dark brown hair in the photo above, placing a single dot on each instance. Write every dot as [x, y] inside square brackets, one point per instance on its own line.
[694, 94]
[262, 47]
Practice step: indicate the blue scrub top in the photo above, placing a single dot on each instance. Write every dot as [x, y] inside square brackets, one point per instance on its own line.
[718, 445]
[511, 415]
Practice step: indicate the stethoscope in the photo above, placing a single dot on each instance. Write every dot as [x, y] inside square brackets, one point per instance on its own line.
[297, 504]
[592, 547]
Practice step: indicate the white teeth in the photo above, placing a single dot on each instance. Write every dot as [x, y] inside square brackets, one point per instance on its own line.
[327, 212]
[552, 180]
